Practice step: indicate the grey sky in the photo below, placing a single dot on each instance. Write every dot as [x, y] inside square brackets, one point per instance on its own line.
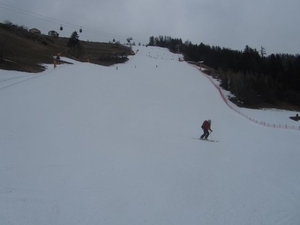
[233, 24]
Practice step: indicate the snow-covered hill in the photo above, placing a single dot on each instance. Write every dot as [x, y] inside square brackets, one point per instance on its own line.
[84, 144]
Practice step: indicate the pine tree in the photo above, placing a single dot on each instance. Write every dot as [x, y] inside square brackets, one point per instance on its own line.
[262, 52]
[73, 40]
[75, 48]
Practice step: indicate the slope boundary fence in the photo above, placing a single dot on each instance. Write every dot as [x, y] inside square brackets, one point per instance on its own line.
[225, 99]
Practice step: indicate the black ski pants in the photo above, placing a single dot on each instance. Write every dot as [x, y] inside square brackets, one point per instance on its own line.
[205, 134]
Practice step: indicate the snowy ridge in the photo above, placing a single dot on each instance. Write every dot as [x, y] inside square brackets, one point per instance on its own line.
[85, 144]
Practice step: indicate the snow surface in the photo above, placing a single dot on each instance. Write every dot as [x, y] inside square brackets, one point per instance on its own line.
[85, 144]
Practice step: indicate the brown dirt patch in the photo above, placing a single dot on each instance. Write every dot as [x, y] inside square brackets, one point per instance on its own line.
[24, 51]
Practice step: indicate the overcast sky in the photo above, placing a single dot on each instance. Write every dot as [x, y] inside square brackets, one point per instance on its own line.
[233, 24]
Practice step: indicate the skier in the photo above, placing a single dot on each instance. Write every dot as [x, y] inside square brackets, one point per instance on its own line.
[206, 127]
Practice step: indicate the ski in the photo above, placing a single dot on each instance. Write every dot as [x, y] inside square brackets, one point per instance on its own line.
[209, 140]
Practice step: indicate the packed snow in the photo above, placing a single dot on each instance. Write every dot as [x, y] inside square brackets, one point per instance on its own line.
[86, 144]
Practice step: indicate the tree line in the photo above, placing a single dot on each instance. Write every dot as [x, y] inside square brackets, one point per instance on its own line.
[250, 75]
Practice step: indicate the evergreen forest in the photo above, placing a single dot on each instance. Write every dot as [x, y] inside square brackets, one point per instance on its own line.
[253, 77]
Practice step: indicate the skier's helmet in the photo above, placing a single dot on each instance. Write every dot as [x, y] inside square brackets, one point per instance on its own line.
[209, 121]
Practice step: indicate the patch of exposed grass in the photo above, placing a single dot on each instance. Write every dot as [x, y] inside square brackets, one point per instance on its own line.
[21, 50]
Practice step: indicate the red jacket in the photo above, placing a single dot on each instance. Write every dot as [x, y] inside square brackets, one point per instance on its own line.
[206, 125]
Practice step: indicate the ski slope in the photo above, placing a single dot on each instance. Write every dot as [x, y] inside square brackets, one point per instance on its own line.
[85, 144]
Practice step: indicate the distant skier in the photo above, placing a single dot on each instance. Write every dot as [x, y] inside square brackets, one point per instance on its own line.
[206, 127]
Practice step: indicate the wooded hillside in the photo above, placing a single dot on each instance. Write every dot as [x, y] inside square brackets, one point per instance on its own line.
[253, 77]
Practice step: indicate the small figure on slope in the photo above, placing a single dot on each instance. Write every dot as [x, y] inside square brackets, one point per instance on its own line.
[206, 127]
